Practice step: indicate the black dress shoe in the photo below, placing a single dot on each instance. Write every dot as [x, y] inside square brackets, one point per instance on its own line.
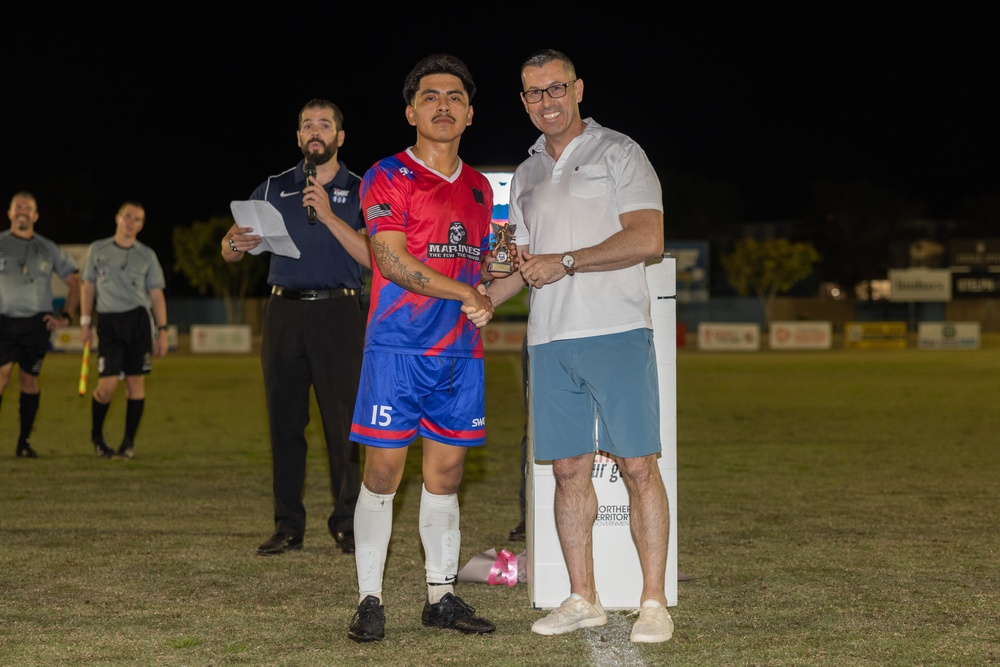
[279, 543]
[345, 540]
[517, 535]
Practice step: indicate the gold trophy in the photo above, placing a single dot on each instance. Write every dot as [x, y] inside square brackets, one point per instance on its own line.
[503, 236]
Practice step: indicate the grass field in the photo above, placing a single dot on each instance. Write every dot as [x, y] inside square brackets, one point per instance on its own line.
[835, 508]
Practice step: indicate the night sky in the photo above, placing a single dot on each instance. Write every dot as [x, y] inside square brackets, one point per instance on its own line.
[186, 111]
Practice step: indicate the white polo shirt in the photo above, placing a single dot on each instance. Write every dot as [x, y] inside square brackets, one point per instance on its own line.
[575, 203]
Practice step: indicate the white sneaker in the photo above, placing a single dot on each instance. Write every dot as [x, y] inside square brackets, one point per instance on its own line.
[574, 613]
[654, 623]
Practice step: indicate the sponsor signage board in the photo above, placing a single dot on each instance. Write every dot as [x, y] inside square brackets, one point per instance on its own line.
[692, 269]
[219, 338]
[875, 335]
[801, 335]
[69, 339]
[975, 285]
[78, 253]
[919, 285]
[975, 252]
[728, 336]
[948, 335]
[503, 336]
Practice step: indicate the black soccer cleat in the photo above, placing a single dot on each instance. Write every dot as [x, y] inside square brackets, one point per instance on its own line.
[368, 624]
[24, 450]
[102, 449]
[451, 613]
[126, 450]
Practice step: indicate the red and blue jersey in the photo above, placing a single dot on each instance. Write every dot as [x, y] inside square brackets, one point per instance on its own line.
[447, 227]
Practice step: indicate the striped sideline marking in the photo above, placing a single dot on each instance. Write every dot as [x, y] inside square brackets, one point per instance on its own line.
[610, 645]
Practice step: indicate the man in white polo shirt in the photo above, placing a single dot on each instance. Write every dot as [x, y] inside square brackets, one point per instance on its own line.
[589, 213]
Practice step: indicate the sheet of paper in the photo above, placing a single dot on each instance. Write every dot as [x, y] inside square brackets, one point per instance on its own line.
[268, 224]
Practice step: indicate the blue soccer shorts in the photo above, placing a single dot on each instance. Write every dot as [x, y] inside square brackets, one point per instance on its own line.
[402, 396]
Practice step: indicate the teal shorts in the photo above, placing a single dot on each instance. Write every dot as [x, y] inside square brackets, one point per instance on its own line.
[595, 394]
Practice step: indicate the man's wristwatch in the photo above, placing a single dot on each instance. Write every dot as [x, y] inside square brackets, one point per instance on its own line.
[568, 263]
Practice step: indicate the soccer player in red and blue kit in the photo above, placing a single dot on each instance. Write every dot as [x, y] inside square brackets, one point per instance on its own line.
[428, 217]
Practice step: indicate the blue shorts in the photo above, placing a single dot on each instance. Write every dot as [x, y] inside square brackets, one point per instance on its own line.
[595, 394]
[402, 396]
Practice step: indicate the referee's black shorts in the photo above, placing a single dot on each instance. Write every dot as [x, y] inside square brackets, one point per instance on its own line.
[25, 341]
[125, 343]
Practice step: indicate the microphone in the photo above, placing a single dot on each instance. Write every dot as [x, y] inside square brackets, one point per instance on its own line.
[310, 170]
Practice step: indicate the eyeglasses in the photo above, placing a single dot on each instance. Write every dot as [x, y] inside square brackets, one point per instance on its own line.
[555, 91]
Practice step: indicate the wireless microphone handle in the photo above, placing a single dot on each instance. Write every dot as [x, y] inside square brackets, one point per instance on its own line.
[310, 170]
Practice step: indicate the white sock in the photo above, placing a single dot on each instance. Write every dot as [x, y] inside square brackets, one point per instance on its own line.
[372, 530]
[442, 540]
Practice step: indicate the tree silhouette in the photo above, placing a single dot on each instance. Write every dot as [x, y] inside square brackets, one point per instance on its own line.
[198, 258]
[766, 268]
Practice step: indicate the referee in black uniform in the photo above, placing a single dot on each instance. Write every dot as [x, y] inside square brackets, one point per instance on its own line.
[27, 263]
[124, 278]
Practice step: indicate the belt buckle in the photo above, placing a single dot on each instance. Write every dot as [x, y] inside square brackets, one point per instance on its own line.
[309, 295]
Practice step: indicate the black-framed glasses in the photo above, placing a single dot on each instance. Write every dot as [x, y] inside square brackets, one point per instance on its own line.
[555, 91]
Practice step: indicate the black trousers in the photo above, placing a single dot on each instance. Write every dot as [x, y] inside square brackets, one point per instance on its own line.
[317, 344]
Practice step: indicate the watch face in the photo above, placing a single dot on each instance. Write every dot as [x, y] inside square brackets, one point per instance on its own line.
[568, 261]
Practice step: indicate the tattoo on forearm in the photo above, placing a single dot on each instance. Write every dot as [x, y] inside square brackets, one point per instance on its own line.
[393, 269]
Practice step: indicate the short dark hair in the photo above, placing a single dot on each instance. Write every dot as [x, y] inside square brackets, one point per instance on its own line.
[24, 194]
[438, 63]
[545, 56]
[338, 115]
[130, 202]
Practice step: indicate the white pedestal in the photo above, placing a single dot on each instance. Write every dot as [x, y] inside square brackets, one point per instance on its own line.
[616, 562]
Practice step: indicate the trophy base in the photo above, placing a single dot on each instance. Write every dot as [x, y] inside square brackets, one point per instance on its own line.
[500, 267]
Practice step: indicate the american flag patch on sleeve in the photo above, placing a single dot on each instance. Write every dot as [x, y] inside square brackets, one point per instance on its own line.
[377, 211]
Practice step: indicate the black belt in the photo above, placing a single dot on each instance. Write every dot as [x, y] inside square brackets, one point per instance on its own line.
[311, 294]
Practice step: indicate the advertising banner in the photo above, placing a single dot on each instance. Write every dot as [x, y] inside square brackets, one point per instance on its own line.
[733, 336]
[948, 336]
[219, 338]
[919, 285]
[801, 335]
[68, 339]
[691, 259]
[975, 285]
[503, 336]
[875, 335]
[975, 253]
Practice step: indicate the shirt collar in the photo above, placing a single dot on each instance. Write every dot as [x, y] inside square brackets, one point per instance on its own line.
[592, 128]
